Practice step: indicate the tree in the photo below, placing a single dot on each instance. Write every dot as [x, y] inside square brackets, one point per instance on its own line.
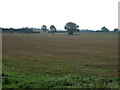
[52, 28]
[44, 28]
[11, 30]
[77, 28]
[104, 29]
[116, 30]
[25, 30]
[71, 27]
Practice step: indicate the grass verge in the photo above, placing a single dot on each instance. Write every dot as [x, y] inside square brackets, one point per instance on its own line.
[13, 80]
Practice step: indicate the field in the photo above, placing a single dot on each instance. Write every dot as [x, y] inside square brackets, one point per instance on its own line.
[84, 60]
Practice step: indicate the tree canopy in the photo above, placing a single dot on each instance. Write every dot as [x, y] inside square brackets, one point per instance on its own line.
[116, 30]
[44, 27]
[71, 27]
[52, 28]
[104, 29]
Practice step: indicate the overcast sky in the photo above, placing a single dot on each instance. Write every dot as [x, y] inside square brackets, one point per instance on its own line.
[88, 14]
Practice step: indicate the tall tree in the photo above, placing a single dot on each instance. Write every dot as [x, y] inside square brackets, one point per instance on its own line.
[104, 29]
[116, 30]
[52, 28]
[44, 28]
[71, 27]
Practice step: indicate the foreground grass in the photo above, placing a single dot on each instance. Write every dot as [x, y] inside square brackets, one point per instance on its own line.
[11, 80]
[19, 74]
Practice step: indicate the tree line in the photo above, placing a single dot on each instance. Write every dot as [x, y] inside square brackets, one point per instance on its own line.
[70, 27]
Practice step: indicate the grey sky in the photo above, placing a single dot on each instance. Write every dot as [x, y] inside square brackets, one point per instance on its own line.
[88, 14]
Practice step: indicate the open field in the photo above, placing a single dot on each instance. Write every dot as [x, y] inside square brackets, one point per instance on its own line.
[88, 54]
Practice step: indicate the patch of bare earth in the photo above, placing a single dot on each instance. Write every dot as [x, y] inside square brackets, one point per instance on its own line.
[71, 54]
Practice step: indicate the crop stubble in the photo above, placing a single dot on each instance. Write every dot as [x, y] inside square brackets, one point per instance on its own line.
[86, 53]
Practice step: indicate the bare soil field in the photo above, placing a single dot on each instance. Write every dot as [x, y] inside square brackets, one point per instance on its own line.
[86, 53]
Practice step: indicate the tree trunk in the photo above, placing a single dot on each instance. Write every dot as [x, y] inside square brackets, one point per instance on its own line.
[70, 31]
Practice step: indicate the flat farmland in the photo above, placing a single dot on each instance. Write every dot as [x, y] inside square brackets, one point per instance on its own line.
[58, 55]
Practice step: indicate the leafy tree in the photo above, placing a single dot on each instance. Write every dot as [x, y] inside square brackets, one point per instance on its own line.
[71, 27]
[116, 30]
[52, 28]
[25, 30]
[104, 29]
[44, 28]
[11, 30]
[77, 30]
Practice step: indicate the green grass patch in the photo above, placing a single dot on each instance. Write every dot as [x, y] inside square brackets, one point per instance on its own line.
[13, 80]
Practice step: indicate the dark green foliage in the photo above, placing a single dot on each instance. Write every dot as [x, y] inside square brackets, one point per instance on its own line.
[19, 30]
[6, 80]
[44, 28]
[71, 27]
[104, 29]
[52, 28]
[46, 81]
[116, 30]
